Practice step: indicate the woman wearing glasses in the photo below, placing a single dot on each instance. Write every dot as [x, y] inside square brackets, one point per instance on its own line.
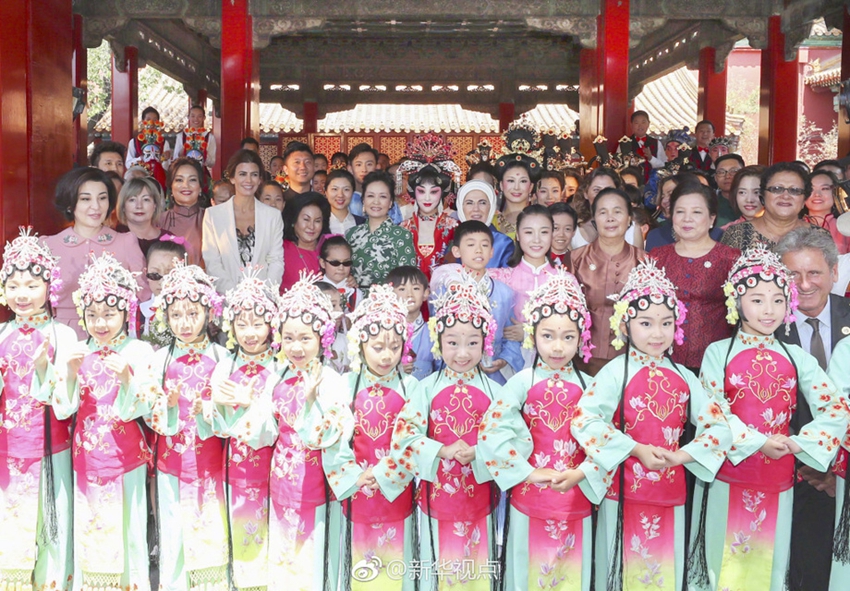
[784, 189]
[86, 197]
[305, 223]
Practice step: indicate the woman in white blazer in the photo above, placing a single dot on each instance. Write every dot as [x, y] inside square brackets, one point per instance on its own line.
[243, 231]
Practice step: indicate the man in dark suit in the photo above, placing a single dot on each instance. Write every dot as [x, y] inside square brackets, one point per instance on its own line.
[822, 321]
[644, 146]
[699, 156]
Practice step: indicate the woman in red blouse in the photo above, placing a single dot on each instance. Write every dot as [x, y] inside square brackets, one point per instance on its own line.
[698, 266]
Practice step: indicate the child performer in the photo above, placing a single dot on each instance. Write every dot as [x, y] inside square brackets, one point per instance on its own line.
[191, 510]
[35, 457]
[250, 320]
[840, 571]
[110, 384]
[411, 285]
[634, 414]
[525, 442]
[376, 493]
[304, 525]
[744, 519]
[435, 438]
[473, 248]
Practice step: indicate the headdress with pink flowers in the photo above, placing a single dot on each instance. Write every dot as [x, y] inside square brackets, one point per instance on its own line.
[755, 265]
[27, 253]
[251, 294]
[305, 301]
[462, 301]
[187, 282]
[561, 294]
[106, 280]
[383, 309]
[647, 284]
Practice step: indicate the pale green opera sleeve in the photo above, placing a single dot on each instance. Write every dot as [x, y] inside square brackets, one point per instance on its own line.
[821, 438]
[593, 425]
[412, 448]
[328, 421]
[745, 441]
[837, 371]
[713, 435]
[143, 396]
[504, 441]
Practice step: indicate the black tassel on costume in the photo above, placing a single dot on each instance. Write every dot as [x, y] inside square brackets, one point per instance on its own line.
[841, 541]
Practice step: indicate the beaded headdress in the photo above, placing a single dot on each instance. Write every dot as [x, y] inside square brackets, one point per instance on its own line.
[483, 152]
[429, 151]
[729, 141]
[462, 301]
[522, 144]
[26, 253]
[250, 294]
[305, 301]
[561, 294]
[647, 284]
[681, 136]
[754, 265]
[106, 280]
[187, 282]
[382, 309]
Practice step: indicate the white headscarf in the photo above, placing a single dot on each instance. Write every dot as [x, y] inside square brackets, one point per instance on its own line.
[476, 185]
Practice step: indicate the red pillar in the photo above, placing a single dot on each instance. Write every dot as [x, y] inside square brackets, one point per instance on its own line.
[507, 114]
[36, 130]
[612, 43]
[843, 126]
[240, 87]
[220, 159]
[81, 132]
[311, 117]
[588, 96]
[201, 99]
[711, 97]
[779, 101]
[125, 95]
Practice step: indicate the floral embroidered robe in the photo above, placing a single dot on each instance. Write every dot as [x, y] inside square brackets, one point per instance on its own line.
[837, 371]
[656, 402]
[190, 476]
[549, 540]
[246, 469]
[110, 455]
[378, 524]
[431, 256]
[304, 518]
[749, 505]
[28, 558]
[457, 539]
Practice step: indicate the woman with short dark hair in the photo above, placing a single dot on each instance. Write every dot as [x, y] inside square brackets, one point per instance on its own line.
[86, 197]
[698, 265]
[305, 223]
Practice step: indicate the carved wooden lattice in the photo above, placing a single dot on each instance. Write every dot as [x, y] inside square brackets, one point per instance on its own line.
[394, 146]
[267, 152]
[353, 140]
[327, 145]
[462, 144]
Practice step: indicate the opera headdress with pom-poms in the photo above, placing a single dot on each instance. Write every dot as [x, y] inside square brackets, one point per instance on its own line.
[462, 301]
[106, 280]
[187, 282]
[383, 309]
[27, 253]
[561, 294]
[755, 265]
[647, 284]
[250, 294]
[305, 301]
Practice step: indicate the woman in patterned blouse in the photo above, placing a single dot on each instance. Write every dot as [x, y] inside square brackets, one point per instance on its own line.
[378, 246]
